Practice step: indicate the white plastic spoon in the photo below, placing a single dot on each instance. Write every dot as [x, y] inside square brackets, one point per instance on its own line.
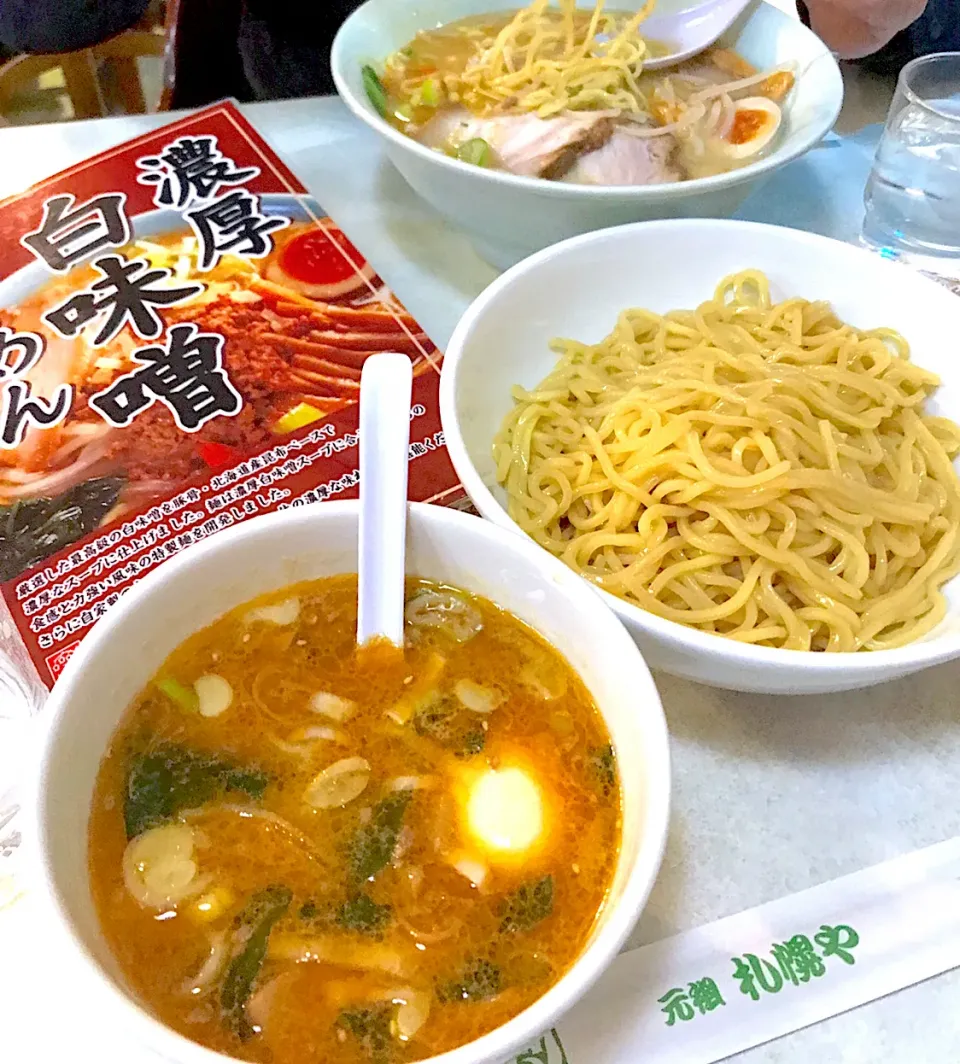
[693, 30]
[386, 384]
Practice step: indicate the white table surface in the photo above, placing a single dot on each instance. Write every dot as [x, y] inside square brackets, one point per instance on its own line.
[771, 795]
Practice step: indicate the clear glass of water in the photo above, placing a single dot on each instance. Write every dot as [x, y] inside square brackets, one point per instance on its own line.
[912, 198]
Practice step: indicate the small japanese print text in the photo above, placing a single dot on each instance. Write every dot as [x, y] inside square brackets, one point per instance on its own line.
[63, 598]
[796, 961]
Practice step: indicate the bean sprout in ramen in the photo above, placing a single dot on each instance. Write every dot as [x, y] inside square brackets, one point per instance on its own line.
[561, 92]
[758, 470]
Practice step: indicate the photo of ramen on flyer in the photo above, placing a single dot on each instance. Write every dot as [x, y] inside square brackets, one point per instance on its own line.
[157, 348]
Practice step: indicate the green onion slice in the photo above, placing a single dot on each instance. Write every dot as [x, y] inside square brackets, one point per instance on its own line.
[184, 696]
[376, 93]
[475, 151]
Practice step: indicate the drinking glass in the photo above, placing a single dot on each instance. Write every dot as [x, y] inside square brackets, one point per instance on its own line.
[912, 198]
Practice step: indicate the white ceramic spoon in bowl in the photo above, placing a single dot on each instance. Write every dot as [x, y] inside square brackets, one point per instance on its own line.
[693, 30]
[386, 384]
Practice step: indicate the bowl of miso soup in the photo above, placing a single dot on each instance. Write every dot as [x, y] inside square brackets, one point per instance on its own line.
[262, 843]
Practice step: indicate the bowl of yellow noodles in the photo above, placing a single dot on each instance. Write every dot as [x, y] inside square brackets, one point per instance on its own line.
[744, 436]
[524, 127]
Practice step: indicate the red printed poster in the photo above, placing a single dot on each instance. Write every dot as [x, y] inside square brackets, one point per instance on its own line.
[182, 331]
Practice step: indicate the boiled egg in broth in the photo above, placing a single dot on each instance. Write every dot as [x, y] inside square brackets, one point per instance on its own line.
[755, 123]
[505, 812]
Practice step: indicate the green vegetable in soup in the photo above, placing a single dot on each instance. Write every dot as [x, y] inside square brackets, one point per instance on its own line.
[371, 1028]
[603, 766]
[429, 93]
[361, 913]
[473, 742]
[172, 778]
[251, 781]
[479, 980]
[251, 934]
[527, 906]
[184, 696]
[375, 91]
[475, 151]
[372, 845]
[452, 726]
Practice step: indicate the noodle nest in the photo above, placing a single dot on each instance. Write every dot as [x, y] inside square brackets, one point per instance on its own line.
[568, 63]
[757, 470]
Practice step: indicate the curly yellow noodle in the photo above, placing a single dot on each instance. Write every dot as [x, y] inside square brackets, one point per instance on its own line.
[758, 470]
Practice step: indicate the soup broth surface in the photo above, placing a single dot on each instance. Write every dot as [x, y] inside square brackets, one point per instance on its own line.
[304, 852]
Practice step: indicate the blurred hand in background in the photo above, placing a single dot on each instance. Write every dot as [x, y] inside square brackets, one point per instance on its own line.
[856, 28]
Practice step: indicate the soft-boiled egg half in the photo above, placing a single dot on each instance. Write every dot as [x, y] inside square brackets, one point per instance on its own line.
[755, 122]
[505, 811]
[318, 262]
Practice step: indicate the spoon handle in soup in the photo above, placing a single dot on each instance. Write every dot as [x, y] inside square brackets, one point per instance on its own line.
[386, 384]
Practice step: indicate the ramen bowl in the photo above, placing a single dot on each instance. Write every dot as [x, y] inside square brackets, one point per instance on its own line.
[190, 591]
[578, 288]
[508, 217]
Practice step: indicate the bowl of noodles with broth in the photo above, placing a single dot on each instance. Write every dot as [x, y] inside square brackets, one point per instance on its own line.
[527, 126]
[262, 844]
[743, 435]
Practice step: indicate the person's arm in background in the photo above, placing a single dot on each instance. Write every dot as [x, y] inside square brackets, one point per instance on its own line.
[856, 28]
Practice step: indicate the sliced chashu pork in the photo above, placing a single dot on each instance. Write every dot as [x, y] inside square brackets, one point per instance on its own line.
[627, 160]
[523, 144]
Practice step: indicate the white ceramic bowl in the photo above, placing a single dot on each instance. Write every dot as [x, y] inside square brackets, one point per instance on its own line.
[193, 589]
[577, 289]
[509, 217]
